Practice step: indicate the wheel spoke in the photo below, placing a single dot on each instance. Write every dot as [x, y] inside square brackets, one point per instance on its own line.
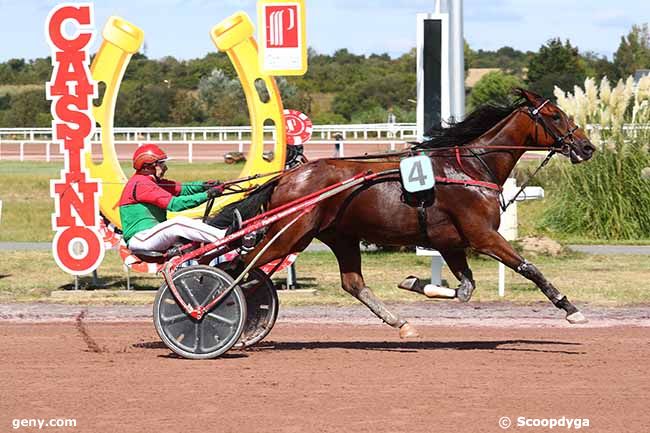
[189, 293]
[197, 336]
[173, 319]
[221, 318]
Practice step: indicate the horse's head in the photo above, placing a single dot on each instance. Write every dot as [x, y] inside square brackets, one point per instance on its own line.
[558, 130]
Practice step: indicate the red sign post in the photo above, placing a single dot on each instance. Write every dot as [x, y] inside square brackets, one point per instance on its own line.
[77, 245]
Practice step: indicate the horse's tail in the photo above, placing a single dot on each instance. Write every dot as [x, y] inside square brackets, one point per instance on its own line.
[248, 207]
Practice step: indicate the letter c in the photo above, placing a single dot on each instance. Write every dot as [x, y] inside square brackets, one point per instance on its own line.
[81, 14]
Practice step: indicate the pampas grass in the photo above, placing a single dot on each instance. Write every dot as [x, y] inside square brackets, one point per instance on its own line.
[609, 196]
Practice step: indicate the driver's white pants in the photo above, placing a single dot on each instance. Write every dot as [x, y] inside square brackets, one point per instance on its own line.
[163, 236]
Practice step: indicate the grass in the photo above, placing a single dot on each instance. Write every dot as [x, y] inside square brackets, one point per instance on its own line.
[27, 205]
[27, 276]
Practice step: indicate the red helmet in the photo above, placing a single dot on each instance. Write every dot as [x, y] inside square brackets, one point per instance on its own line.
[147, 154]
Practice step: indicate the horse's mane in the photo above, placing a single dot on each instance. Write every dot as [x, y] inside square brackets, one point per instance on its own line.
[477, 123]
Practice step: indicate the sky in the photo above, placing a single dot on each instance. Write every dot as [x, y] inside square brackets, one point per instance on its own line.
[181, 27]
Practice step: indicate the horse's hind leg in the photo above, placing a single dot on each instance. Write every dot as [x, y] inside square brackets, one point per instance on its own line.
[349, 257]
[457, 262]
[494, 245]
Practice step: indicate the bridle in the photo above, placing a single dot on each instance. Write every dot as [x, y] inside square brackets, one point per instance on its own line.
[560, 143]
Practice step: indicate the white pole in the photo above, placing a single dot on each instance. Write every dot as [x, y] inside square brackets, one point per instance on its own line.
[457, 59]
[189, 152]
[502, 280]
[22, 151]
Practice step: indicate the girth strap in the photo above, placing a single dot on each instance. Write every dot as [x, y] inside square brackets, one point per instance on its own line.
[422, 223]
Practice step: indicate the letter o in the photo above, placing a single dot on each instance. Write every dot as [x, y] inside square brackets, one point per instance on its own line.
[78, 264]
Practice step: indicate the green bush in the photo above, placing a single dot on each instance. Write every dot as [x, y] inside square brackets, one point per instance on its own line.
[493, 88]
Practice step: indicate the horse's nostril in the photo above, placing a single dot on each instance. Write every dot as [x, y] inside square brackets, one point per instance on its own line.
[589, 149]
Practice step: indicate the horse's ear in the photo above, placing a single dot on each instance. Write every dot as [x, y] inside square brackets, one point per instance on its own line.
[531, 97]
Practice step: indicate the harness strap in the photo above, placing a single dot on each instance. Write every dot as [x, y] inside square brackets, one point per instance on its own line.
[469, 182]
[422, 222]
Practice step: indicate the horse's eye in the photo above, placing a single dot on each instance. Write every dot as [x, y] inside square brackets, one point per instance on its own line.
[556, 117]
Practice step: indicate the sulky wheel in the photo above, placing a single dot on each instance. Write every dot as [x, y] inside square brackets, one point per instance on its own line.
[262, 305]
[213, 334]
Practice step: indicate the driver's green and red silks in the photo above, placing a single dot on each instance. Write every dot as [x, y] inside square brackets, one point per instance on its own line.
[145, 201]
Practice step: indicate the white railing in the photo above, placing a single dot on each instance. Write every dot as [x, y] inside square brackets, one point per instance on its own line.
[36, 143]
[210, 143]
[376, 131]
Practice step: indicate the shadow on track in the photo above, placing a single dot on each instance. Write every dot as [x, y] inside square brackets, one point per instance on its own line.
[415, 346]
[403, 346]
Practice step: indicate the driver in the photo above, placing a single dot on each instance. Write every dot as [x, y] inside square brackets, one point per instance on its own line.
[147, 197]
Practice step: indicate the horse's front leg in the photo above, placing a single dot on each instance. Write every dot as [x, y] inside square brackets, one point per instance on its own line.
[494, 245]
[348, 255]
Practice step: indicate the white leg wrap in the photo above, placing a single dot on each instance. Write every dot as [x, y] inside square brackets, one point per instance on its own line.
[433, 291]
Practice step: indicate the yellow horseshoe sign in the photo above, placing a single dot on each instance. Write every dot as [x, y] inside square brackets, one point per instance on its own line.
[234, 35]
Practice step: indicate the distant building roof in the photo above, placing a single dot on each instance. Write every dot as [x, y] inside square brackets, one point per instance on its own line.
[475, 74]
[640, 73]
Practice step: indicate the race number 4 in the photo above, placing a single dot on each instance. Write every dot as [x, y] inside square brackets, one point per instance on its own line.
[417, 173]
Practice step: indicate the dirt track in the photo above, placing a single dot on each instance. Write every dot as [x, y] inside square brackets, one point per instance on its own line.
[329, 376]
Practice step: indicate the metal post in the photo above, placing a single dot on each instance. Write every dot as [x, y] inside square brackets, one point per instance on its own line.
[502, 280]
[128, 277]
[291, 277]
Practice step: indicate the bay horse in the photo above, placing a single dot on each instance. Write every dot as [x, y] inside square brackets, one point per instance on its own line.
[471, 155]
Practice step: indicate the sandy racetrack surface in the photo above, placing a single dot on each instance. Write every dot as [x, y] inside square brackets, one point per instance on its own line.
[115, 376]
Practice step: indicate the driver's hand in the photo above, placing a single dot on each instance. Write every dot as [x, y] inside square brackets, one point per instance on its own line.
[216, 191]
[211, 184]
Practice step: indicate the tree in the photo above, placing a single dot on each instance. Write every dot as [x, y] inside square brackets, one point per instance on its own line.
[140, 105]
[597, 66]
[28, 109]
[555, 64]
[633, 52]
[223, 98]
[390, 90]
[494, 87]
[187, 110]
[468, 56]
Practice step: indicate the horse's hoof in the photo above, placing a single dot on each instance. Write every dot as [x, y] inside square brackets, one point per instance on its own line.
[412, 284]
[408, 331]
[464, 294]
[576, 318]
